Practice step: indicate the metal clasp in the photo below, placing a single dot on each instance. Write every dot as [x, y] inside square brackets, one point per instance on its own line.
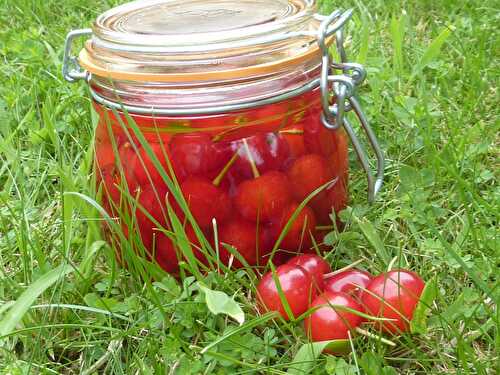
[344, 86]
[71, 70]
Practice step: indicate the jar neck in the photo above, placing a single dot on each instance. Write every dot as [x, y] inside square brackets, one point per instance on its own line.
[195, 95]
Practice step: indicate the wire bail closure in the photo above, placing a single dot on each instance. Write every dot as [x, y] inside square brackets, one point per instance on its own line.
[343, 87]
[71, 70]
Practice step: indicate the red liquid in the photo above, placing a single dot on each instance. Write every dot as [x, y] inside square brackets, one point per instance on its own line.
[248, 167]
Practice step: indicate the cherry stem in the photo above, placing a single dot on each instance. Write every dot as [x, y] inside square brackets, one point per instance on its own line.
[217, 180]
[363, 332]
[346, 268]
[255, 171]
[292, 131]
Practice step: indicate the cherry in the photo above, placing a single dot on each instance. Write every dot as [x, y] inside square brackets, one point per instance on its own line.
[279, 258]
[335, 198]
[196, 155]
[264, 197]
[127, 158]
[144, 168]
[350, 281]
[272, 116]
[104, 154]
[307, 174]
[278, 151]
[109, 178]
[314, 264]
[393, 295]
[299, 234]
[166, 254]
[267, 239]
[339, 158]
[242, 235]
[151, 199]
[294, 136]
[266, 152]
[331, 144]
[330, 321]
[296, 285]
[206, 201]
[317, 138]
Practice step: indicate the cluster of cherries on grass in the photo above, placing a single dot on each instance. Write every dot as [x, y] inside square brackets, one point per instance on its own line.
[331, 299]
[250, 180]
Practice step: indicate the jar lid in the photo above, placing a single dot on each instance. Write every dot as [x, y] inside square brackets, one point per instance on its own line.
[202, 40]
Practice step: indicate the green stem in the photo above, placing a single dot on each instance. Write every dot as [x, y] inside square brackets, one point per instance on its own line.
[373, 336]
[255, 171]
[217, 180]
[352, 265]
[292, 131]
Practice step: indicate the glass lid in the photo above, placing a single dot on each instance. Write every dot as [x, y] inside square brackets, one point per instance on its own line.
[176, 40]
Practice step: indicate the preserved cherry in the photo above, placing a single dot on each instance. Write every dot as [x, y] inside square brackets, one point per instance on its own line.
[249, 171]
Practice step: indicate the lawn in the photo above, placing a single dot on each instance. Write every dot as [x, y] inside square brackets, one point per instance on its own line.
[431, 95]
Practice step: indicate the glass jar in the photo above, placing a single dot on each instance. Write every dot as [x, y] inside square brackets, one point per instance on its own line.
[222, 135]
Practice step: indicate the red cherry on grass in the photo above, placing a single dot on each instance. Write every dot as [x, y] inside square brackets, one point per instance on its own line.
[313, 264]
[393, 295]
[242, 235]
[307, 174]
[330, 321]
[264, 197]
[296, 285]
[350, 281]
[206, 201]
[299, 234]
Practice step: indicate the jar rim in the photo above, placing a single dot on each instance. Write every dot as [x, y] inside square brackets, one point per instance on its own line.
[126, 45]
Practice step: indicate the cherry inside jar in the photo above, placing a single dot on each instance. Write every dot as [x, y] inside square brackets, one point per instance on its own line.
[249, 171]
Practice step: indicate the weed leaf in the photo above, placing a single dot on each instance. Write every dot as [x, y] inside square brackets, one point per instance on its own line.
[432, 51]
[429, 294]
[305, 359]
[220, 303]
[372, 236]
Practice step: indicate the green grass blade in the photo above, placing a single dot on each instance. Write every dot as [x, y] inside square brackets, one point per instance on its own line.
[398, 30]
[374, 239]
[432, 52]
[29, 296]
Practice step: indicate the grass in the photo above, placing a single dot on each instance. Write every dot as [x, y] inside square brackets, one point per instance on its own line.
[432, 98]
